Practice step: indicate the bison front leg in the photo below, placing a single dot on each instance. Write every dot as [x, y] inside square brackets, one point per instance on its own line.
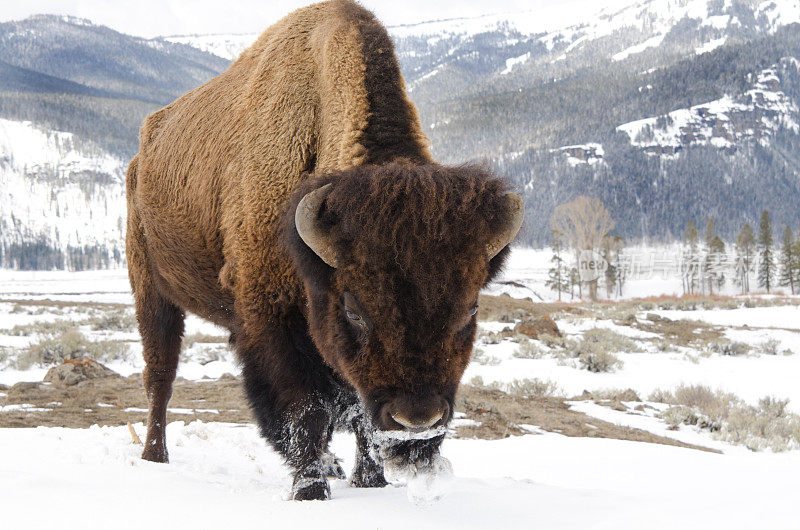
[298, 429]
[306, 452]
[368, 472]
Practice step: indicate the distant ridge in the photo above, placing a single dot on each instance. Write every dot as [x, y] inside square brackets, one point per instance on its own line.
[14, 78]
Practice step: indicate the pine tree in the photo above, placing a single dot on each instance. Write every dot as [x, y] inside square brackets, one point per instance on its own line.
[575, 280]
[710, 232]
[745, 245]
[558, 279]
[691, 258]
[766, 267]
[796, 262]
[787, 259]
[710, 259]
[715, 261]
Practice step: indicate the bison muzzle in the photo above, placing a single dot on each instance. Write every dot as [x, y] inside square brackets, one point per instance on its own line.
[293, 200]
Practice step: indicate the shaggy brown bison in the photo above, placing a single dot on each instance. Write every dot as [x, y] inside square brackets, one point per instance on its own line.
[294, 201]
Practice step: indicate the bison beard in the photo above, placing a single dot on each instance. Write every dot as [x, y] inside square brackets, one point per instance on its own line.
[345, 262]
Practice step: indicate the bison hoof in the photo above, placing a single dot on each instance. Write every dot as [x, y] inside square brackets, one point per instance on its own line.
[154, 453]
[374, 481]
[310, 486]
[332, 467]
[363, 478]
[316, 491]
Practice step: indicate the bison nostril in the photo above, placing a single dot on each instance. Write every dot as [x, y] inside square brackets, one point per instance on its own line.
[418, 424]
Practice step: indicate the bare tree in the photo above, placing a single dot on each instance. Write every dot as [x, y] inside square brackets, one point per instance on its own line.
[584, 223]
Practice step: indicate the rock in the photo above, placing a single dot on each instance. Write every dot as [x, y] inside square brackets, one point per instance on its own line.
[74, 371]
[24, 386]
[25, 391]
[652, 317]
[513, 315]
[3, 388]
[227, 377]
[536, 327]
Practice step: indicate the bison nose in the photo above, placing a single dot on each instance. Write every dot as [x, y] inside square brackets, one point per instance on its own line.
[417, 424]
[414, 415]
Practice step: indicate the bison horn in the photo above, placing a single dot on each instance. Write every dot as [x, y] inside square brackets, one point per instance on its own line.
[515, 209]
[306, 220]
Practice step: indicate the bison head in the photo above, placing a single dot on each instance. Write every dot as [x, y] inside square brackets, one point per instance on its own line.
[392, 258]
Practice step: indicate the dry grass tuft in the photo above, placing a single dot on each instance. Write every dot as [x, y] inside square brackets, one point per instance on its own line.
[767, 425]
[610, 341]
[69, 344]
[614, 394]
[114, 320]
[195, 338]
[599, 362]
[44, 328]
[528, 350]
[481, 357]
[521, 387]
[732, 348]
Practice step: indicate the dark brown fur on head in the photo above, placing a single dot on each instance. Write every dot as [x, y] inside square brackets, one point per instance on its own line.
[411, 243]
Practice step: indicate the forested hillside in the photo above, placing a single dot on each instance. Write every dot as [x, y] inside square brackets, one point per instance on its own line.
[666, 110]
[552, 111]
[72, 98]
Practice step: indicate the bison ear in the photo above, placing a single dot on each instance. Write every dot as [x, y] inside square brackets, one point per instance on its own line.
[306, 220]
[515, 212]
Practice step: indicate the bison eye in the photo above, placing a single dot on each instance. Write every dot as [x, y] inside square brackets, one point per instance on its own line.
[353, 312]
[355, 318]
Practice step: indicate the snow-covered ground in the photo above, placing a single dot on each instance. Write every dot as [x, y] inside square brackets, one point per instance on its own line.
[750, 377]
[221, 475]
[224, 473]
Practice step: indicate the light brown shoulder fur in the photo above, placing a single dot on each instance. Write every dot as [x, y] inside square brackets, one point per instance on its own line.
[319, 91]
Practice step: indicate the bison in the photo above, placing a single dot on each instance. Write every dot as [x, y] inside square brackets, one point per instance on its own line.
[294, 201]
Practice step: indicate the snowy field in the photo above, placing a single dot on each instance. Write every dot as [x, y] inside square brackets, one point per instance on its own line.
[223, 473]
[221, 476]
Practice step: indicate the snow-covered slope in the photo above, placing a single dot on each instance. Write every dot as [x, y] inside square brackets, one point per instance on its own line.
[227, 46]
[62, 203]
[523, 21]
[755, 115]
[778, 13]
[645, 24]
[545, 17]
[570, 29]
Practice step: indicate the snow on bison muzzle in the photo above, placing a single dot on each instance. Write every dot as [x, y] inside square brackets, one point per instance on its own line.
[294, 201]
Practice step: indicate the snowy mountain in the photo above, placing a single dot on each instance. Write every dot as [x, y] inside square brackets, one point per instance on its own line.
[567, 102]
[72, 97]
[713, 82]
[113, 64]
[667, 110]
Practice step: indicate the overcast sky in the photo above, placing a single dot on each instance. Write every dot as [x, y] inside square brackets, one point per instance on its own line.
[150, 18]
